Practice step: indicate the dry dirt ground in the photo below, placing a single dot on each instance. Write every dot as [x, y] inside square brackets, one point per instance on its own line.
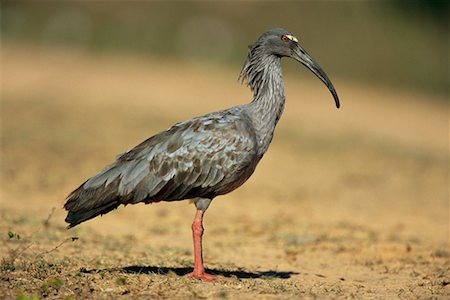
[349, 203]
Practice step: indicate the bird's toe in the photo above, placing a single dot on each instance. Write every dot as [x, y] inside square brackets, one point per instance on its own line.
[205, 276]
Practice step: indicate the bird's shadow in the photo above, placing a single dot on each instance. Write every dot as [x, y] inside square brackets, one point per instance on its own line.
[183, 271]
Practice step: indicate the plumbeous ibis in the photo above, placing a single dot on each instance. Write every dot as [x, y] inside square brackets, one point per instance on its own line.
[205, 156]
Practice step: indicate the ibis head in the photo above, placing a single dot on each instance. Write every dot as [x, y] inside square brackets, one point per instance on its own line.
[282, 43]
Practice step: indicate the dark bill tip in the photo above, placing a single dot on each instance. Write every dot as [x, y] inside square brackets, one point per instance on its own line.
[301, 56]
[335, 95]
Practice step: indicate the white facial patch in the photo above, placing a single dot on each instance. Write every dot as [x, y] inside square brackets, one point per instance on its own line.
[292, 38]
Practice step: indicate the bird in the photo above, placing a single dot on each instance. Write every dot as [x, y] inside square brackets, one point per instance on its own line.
[206, 156]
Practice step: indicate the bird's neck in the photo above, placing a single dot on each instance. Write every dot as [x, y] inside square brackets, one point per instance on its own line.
[268, 102]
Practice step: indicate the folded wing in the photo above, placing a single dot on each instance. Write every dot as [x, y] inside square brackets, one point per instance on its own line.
[202, 157]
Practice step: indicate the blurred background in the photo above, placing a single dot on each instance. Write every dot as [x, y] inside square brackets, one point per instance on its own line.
[399, 43]
[83, 81]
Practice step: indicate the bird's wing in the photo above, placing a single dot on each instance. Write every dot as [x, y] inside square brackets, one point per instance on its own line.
[202, 157]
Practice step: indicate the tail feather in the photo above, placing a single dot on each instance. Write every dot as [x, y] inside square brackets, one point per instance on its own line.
[76, 217]
[87, 203]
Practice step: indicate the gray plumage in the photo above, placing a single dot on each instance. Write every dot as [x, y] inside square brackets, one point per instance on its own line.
[203, 157]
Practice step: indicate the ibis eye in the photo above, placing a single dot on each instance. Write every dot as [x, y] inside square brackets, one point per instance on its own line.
[284, 38]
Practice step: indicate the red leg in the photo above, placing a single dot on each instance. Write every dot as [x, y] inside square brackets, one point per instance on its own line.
[197, 233]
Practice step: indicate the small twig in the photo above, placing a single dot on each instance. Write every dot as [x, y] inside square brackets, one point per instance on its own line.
[46, 222]
[15, 253]
[19, 250]
[74, 238]
[25, 248]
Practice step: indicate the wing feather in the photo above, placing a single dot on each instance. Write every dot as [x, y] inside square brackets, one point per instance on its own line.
[108, 174]
[202, 157]
[199, 155]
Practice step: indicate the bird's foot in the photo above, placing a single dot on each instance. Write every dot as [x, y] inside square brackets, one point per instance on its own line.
[205, 276]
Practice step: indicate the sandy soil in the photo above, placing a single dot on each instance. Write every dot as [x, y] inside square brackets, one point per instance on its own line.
[346, 204]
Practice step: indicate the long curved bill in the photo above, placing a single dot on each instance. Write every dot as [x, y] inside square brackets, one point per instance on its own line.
[302, 56]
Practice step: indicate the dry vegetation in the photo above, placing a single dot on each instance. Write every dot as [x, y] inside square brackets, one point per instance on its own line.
[347, 204]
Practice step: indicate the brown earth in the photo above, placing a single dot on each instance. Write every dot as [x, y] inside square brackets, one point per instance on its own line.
[349, 203]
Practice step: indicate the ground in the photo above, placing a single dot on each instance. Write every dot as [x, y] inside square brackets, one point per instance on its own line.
[349, 203]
